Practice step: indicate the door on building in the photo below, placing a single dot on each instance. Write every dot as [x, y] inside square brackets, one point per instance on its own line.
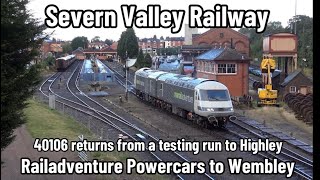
[303, 90]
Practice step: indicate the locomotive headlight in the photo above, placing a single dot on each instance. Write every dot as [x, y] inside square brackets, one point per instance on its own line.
[205, 109]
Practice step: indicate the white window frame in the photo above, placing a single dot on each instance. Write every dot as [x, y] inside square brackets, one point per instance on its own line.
[295, 89]
[235, 68]
[226, 68]
[221, 67]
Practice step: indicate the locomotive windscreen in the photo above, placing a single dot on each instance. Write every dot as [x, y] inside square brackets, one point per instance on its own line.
[214, 95]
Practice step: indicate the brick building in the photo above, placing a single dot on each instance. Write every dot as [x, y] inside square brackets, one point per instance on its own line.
[114, 45]
[150, 45]
[173, 42]
[227, 66]
[296, 82]
[101, 54]
[79, 53]
[223, 36]
[51, 47]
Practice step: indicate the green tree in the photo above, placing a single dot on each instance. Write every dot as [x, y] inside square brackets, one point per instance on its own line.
[95, 39]
[109, 42]
[21, 37]
[66, 48]
[256, 39]
[79, 41]
[128, 44]
[140, 60]
[304, 32]
[121, 49]
[49, 61]
[147, 60]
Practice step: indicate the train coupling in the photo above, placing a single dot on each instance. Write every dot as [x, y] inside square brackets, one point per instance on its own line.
[213, 120]
[232, 118]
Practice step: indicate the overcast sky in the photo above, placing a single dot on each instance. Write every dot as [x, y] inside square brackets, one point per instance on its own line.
[280, 10]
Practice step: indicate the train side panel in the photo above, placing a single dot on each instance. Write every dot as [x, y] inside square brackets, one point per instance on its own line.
[140, 83]
[178, 96]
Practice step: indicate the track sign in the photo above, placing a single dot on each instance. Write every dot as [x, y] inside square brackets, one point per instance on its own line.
[131, 62]
[52, 101]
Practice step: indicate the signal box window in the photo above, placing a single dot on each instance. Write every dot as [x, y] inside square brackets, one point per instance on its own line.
[227, 69]
[222, 68]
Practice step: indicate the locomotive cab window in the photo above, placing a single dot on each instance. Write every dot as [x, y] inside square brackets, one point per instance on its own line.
[214, 95]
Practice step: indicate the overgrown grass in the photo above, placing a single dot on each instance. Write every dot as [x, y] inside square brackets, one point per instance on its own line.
[43, 122]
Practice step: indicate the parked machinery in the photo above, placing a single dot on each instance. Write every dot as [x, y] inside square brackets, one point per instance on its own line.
[63, 63]
[267, 95]
[302, 105]
[203, 101]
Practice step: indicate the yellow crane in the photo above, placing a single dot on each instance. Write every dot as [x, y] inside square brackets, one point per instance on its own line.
[267, 95]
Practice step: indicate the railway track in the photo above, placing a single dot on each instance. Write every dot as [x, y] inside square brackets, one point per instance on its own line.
[81, 101]
[303, 165]
[245, 128]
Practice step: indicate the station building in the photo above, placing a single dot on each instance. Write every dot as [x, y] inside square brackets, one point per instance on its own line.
[101, 54]
[227, 66]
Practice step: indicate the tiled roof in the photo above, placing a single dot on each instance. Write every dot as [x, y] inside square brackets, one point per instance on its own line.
[106, 49]
[149, 39]
[290, 77]
[210, 55]
[174, 39]
[177, 38]
[77, 51]
[222, 54]
[232, 54]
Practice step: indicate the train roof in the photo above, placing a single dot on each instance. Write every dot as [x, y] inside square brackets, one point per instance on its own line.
[66, 57]
[87, 67]
[145, 72]
[208, 85]
[171, 78]
[103, 68]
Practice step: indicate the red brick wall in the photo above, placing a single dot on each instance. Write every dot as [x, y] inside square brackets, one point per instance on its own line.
[238, 84]
[45, 47]
[239, 41]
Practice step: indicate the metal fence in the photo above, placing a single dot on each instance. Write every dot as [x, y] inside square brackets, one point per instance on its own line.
[86, 118]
